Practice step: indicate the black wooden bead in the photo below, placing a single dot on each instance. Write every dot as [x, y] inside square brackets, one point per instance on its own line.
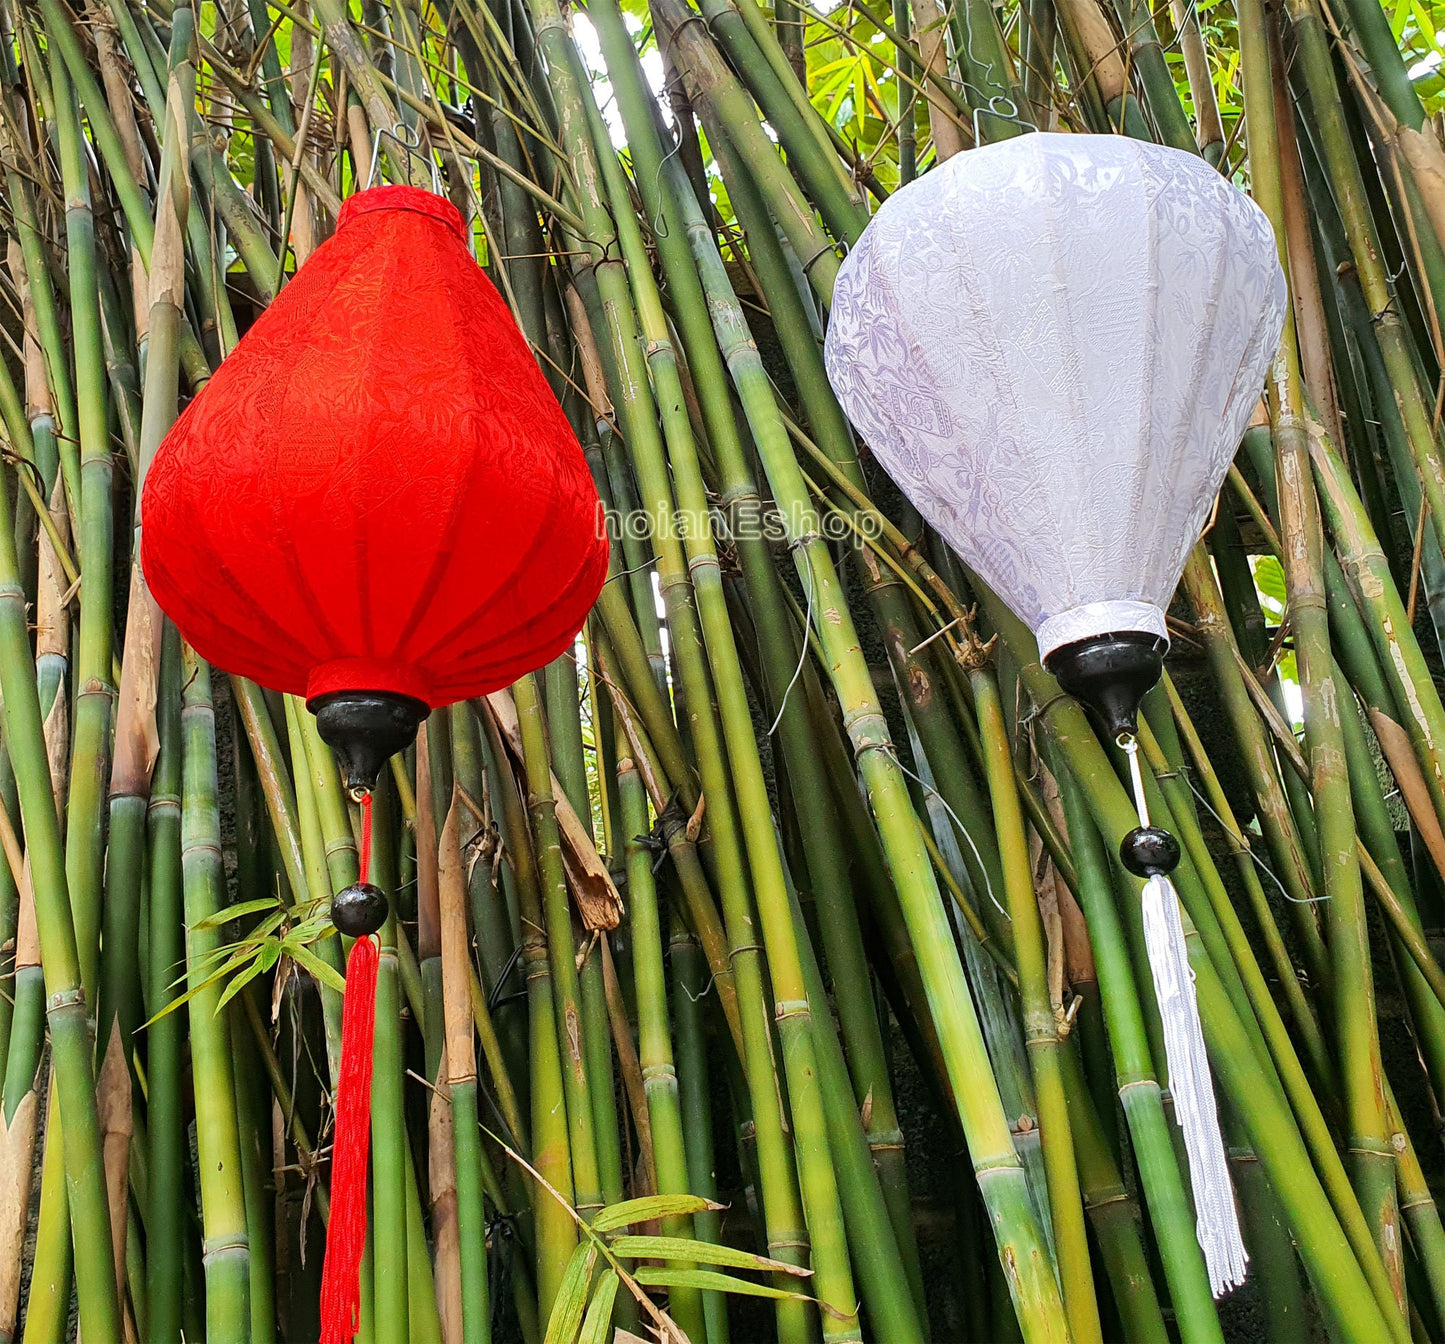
[1149, 851]
[359, 910]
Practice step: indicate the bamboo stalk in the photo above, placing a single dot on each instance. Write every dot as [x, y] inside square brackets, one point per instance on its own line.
[165, 1034]
[461, 1077]
[223, 1209]
[1041, 1028]
[791, 1009]
[1300, 531]
[654, 1035]
[551, 1155]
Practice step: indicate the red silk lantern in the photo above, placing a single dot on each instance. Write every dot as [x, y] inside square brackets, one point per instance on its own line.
[377, 490]
[378, 504]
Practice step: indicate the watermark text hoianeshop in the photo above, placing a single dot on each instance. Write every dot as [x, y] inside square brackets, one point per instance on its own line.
[747, 520]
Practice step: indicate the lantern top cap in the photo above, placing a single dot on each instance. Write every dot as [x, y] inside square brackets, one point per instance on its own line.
[403, 198]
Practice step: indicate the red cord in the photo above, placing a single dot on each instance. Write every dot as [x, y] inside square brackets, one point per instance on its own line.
[346, 1232]
[363, 858]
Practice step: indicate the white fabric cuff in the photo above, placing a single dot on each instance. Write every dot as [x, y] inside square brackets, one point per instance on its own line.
[1099, 618]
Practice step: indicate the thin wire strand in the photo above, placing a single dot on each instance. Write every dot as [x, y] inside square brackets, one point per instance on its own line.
[802, 549]
[963, 830]
[1249, 849]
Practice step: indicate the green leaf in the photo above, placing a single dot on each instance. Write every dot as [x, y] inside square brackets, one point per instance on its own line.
[709, 1280]
[571, 1299]
[599, 1314]
[700, 1252]
[646, 1209]
[236, 911]
[238, 983]
[304, 956]
[1269, 580]
[179, 1002]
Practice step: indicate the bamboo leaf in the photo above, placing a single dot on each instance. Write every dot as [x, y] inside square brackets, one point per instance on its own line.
[239, 982]
[183, 999]
[599, 1313]
[303, 956]
[711, 1281]
[649, 1207]
[702, 1252]
[571, 1300]
[236, 911]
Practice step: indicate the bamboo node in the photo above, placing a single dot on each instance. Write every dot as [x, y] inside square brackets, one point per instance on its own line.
[785, 1008]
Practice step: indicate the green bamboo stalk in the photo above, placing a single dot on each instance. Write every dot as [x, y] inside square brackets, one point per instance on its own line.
[1419, 1210]
[1166, 1195]
[887, 1294]
[782, 1214]
[47, 1313]
[165, 1035]
[1301, 532]
[1041, 1028]
[818, 1184]
[1305, 1022]
[253, 1114]
[810, 155]
[551, 1156]
[493, 930]
[130, 773]
[1372, 30]
[1333, 1258]
[1271, 805]
[561, 949]
[1373, 587]
[461, 1079]
[84, 852]
[597, 1042]
[1280, 1044]
[632, 658]
[132, 196]
[1001, 1177]
[1160, 92]
[697, 897]
[988, 65]
[564, 721]
[1112, 1213]
[428, 908]
[727, 113]
[690, 988]
[281, 807]
[1377, 834]
[308, 818]
[48, 330]
[390, 1159]
[223, 1207]
[907, 98]
[1332, 138]
[326, 787]
[654, 1038]
[65, 998]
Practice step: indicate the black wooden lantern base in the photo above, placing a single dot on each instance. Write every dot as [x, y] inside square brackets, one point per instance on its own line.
[366, 729]
[1110, 675]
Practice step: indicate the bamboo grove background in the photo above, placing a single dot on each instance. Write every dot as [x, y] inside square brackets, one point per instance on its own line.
[763, 970]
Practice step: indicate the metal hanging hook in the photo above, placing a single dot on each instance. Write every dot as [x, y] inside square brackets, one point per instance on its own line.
[408, 139]
[994, 108]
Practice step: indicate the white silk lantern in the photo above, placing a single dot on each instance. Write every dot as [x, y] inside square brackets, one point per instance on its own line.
[1053, 346]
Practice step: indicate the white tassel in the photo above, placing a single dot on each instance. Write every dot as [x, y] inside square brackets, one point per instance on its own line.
[1217, 1221]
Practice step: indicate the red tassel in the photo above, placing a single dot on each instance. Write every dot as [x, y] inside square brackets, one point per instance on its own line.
[346, 1232]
